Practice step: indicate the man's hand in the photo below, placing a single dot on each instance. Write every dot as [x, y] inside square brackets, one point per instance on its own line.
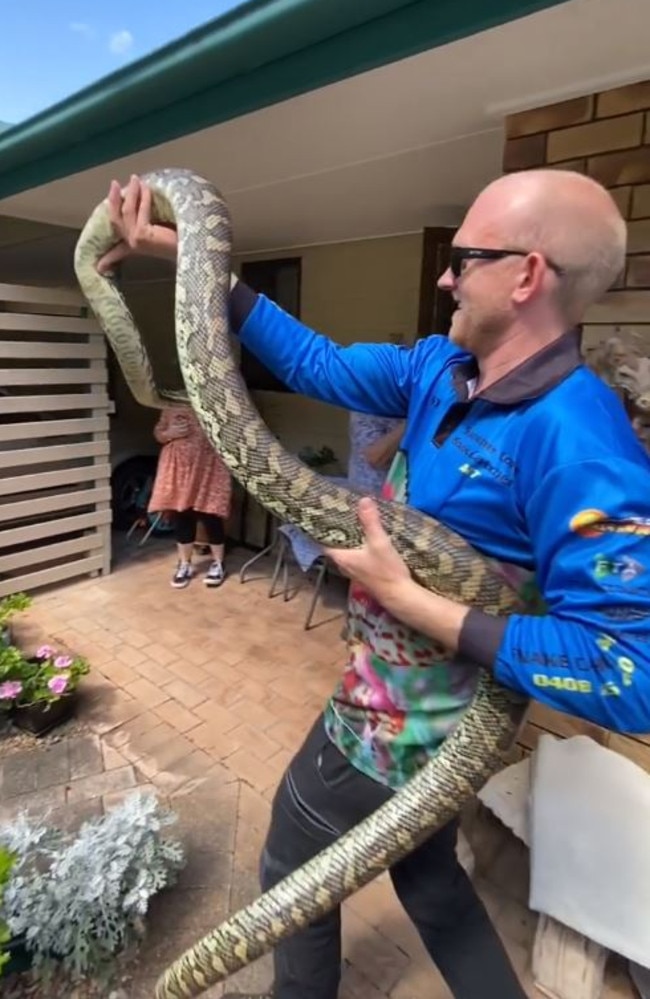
[376, 565]
[130, 215]
[379, 569]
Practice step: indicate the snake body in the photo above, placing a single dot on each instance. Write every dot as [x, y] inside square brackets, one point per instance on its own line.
[439, 559]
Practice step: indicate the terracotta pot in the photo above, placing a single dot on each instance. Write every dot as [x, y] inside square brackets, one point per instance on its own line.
[39, 719]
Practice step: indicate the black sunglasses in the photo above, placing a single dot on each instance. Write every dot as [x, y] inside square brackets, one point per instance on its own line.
[460, 253]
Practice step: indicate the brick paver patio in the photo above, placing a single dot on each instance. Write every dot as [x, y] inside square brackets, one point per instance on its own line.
[202, 696]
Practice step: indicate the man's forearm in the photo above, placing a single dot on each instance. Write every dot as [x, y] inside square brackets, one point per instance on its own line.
[459, 628]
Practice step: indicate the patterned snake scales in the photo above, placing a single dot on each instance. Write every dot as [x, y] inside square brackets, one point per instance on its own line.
[438, 559]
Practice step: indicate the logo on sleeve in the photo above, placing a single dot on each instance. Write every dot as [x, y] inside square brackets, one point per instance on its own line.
[595, 523]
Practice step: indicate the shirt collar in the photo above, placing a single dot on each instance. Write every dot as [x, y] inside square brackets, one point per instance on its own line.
[533, 377]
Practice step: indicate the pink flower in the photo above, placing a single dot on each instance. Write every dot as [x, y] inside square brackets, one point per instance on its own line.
[58, 684]
[10, 689]
[62, 662]
[45, 652]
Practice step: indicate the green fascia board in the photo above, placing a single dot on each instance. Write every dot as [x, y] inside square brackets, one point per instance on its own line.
[262, 52]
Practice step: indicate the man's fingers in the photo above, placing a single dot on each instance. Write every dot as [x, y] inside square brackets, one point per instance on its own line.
[115, 206]
[114, 255]
[369, 518]
[144, 210]
[130, 208]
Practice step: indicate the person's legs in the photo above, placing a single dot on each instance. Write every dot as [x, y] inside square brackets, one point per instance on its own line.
[452, 922]
[216, 534]
[321, 797]
[184, 533]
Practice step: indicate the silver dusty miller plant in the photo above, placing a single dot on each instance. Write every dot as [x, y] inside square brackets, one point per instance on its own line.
[80, 900]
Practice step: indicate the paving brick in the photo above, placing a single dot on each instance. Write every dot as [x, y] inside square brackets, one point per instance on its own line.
[36, 803]
[112, 758]
[18, 774]
[85, 757]
[177, 716]
[101, 784]
[52, 765]
[247, 767]
[186, 694]
[146, 692]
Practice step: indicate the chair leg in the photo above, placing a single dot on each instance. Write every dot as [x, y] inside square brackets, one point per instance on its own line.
[152, 527]
[280, 564]
[322, 571]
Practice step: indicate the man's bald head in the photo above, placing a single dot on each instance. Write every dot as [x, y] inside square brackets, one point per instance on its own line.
[568, 218]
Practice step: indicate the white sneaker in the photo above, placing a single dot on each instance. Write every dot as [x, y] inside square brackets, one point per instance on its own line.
[183, 575]
[215, 574]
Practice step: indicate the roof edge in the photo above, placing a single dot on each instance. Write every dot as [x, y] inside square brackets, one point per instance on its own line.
[258, 54]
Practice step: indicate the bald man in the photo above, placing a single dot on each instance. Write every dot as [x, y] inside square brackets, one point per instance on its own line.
[511, 442]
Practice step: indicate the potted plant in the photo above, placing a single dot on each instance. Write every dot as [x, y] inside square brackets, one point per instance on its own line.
[78, 900]
[40, 690]
[9, 606]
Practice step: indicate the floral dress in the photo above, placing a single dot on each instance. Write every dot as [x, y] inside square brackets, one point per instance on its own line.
[190, 475]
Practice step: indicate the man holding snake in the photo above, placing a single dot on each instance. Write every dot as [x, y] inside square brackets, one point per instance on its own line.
[512, 443]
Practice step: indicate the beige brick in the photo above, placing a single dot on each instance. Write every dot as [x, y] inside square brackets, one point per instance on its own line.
[100, 784]
[521, 154]
[597, 137]
[621, 307]
[177, 716]
[219, 718]
[638, 271]
[146, 692]
[185, 693]
[247, 767]
[638, 236]
[623, 198]
[577, 166]
[220, 744]
[641, 202]
[545, 119]
[622, 100]
[614, 169]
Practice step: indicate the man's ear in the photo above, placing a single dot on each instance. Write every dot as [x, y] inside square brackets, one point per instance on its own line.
[531, 278]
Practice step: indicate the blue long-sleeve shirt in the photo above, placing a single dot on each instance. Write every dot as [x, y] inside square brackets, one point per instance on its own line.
[542, 473]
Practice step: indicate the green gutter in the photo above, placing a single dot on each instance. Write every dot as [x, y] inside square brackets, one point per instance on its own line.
[263, 52]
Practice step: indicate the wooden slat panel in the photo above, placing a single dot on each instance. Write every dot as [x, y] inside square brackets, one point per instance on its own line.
[49, 553]
[16, 321]
[38, 481]
[564, 725]
[45, 296]
[23, 509]
[49, 528]
[632, 749]
[57, 452]
[52, 428]
[28, 349]
[69, 570]
[45, 377]
[45, 403]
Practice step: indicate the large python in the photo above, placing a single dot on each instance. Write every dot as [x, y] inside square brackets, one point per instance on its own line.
[438, 559]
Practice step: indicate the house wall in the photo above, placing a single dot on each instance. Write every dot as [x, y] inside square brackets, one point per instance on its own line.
[606, 136]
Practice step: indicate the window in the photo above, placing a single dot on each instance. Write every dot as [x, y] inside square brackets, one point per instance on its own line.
[279, 280]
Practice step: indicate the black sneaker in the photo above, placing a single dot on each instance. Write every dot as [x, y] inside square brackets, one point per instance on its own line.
[215, 574]
[183, 575]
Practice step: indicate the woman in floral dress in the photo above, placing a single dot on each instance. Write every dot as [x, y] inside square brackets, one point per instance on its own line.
[193, 483]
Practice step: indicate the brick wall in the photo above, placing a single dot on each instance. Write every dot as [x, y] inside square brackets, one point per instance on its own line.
[606, 136]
